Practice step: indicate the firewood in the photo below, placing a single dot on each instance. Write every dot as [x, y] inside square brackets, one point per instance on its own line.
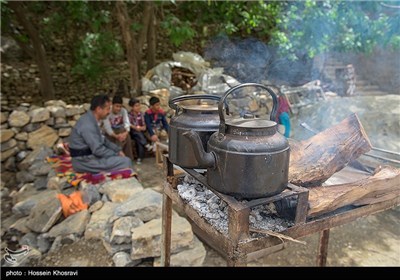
[314, 160]
[381, 186]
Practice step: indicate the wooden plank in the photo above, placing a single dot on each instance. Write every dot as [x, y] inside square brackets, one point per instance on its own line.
[166, 230]
[321, 224]
[323, 247]
[328, 198]
[220, 239]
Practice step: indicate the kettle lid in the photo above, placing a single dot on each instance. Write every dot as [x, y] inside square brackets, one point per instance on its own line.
[199, 107]
[250, 123]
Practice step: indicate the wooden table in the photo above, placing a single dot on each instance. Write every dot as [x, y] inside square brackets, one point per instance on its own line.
[238, 246]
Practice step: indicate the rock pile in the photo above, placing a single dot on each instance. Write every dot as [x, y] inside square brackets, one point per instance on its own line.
[122, 215]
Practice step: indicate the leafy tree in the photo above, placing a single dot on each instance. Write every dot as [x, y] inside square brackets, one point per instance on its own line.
[16, 19]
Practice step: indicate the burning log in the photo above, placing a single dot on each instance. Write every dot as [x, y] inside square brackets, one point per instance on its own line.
[381, 186]
[314, 160]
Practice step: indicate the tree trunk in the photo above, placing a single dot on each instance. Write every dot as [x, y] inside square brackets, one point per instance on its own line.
[38, 53]
[383, 185]
[146, 21]
[316, 159]
[151, 43]
[130, 45]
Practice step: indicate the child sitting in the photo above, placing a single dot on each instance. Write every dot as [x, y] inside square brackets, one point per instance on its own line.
[156, 123]
[138, 127]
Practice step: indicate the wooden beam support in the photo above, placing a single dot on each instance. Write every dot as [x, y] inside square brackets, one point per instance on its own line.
[323, 247]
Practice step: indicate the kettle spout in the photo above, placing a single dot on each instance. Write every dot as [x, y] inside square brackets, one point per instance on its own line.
[205, 159]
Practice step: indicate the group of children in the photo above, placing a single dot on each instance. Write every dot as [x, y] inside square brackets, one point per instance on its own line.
[145, 129]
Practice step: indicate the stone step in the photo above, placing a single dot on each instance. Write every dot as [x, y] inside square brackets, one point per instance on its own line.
[368, 88]
[370, 92]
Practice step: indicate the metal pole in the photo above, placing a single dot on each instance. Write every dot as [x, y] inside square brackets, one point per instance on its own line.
[323, 247]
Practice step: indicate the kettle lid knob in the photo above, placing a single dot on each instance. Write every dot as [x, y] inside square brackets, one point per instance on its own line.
[248, 116]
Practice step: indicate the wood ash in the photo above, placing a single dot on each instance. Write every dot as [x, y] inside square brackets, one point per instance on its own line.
[210, 207]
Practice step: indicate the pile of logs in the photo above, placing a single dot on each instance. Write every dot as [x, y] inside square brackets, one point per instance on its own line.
[183, 78]
[315, 160]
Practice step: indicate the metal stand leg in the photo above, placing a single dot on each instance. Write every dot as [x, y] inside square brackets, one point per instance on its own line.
[323, 247]
[166, 230]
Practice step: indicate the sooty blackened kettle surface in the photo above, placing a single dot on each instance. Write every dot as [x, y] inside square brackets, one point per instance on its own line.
[247, 157]
[197, 113]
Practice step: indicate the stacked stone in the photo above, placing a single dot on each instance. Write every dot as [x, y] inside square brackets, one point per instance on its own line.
[28, 127]
[21, 82]
[122, 215]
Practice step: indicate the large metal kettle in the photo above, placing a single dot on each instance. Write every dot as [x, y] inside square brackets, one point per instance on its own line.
[197, 113]
[247, 158]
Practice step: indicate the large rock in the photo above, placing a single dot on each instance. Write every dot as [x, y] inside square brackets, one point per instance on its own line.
[191, 257]
[3, 117]
[19, 226]
[121, 190]
[44, 215]
[25, 192]
[9, 153]
[22, 136]
[40, 168]
[74, 224]
[10, 164]
[55, 103]
[39, 153]
[122, 259]
[8, 145]
[64, 132]
[24, 207]
[57, 183]
[5, 135]
[122, 229]
[43, 136]
[32, 127]
[146, 205]
[18, 119]
[25, 177]
[146, 239]
[74, 110]
[99, 222]
[39, 115]
[57, 111]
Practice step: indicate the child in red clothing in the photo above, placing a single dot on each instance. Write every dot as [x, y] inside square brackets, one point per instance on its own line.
[282, 114]
[155, 120]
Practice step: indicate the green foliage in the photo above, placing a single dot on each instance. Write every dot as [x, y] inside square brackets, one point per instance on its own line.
[91, 53]
[92, 44]
[301, 28]
[177, 30]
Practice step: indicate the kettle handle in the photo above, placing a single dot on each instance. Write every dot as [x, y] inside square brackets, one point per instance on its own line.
[172, 103]
[222, 101]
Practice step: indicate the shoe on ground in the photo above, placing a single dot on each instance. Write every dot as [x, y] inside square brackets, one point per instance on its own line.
[139, 161]
[149, 147]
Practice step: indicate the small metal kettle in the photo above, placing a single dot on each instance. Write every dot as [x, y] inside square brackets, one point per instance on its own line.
[247, 157]
[200, 117]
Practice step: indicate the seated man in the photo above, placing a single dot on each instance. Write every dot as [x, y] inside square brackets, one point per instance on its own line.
[156, 123]
[90, 150]
[117, 127]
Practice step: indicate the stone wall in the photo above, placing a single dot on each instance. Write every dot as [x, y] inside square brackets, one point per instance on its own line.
[28, 127]
[20, 83]
[381, 67]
